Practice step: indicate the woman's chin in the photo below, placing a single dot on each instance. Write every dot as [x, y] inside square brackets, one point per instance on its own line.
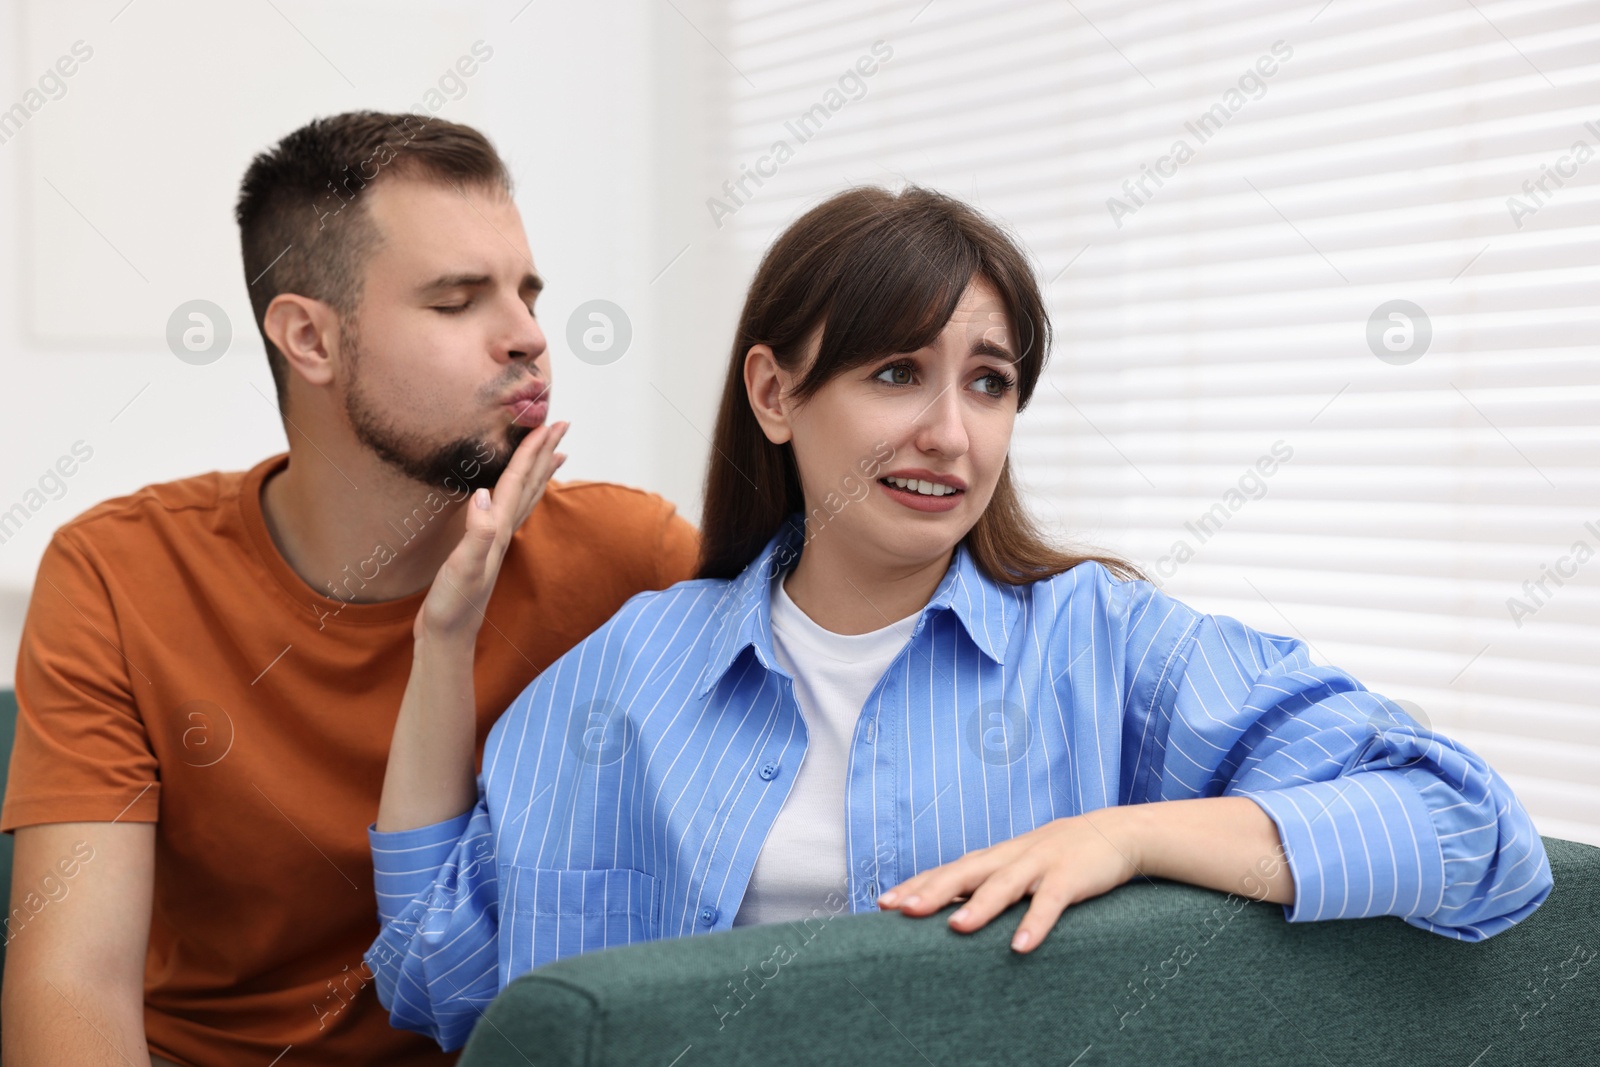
[912, 544]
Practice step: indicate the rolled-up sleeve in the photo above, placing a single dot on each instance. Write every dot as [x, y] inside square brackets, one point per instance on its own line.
[435, 962]
[1377, 815]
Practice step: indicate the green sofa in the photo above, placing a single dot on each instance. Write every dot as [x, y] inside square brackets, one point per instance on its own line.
[1152, 974]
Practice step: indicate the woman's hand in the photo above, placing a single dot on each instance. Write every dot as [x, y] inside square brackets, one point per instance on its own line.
[454, 606]
[1224, 843]
[1060, 863]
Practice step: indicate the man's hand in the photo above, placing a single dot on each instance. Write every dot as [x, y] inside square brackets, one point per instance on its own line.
[1060, 863]
[460, 592]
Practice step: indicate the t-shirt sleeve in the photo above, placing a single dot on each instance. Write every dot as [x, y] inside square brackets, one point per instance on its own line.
[678, 558]
[81, 752]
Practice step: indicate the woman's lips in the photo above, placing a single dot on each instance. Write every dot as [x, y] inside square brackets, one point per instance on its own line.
[918, 502]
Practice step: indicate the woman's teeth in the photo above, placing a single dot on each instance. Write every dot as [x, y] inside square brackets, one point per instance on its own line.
[915, 485]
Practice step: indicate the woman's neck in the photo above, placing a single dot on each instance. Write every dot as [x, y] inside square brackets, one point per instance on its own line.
[848, 595]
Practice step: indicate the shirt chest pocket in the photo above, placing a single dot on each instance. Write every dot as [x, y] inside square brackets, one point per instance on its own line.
[557, 913]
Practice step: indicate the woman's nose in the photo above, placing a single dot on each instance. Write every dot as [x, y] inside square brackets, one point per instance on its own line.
[940, 425]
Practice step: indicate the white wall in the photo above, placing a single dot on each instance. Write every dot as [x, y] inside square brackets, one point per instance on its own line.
[116, 206]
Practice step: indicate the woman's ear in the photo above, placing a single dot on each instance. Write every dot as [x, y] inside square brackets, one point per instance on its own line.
[306, 331]
[765, 384]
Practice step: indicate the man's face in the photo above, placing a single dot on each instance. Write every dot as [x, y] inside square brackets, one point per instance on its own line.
[443, 363]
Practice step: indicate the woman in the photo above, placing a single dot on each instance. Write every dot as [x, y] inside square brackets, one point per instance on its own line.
[886, 683]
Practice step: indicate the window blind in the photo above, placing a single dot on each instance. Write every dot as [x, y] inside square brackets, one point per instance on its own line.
[1324, 280]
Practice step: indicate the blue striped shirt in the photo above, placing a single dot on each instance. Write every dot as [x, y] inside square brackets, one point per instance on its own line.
[626, 793]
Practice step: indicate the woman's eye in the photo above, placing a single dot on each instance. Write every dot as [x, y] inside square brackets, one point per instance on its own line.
[994, 385]
[451, 309]
[899, 374]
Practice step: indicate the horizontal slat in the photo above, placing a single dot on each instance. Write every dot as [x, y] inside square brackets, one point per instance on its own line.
[1482, 573]
[1437, 613]
[1572, 805]
[1409, 530]
[1570, 763]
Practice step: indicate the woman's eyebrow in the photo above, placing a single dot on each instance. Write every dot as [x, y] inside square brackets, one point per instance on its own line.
[985, 347]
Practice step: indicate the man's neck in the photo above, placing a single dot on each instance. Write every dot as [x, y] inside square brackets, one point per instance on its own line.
[355, 529]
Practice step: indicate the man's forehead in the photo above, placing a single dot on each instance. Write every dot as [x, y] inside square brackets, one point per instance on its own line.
[438, 228]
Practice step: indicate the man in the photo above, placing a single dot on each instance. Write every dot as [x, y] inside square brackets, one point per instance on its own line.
[211, 668]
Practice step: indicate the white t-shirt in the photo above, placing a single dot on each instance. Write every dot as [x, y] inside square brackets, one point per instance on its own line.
[803, 858]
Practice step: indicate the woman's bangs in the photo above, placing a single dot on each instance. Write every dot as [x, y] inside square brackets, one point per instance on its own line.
[896, 295]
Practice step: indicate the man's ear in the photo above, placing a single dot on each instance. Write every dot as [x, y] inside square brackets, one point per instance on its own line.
[766, 383]
[306, 331]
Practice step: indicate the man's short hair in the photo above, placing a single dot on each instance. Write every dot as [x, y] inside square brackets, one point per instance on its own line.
[303, 224]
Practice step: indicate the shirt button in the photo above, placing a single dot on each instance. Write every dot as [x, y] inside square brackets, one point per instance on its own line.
[769, 770]
[872, 890]
[872, 732]
[708, 915]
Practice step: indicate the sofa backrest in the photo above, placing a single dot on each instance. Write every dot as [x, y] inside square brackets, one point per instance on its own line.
[1151, 973]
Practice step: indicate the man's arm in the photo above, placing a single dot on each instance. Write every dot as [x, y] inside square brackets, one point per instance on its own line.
[74, 977]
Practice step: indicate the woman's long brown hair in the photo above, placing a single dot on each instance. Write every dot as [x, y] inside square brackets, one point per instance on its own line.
[881, 273]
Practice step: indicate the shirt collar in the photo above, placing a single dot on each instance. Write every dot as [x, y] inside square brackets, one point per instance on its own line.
[744, 614]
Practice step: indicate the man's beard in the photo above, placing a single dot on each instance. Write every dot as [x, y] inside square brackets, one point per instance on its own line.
[456, 464]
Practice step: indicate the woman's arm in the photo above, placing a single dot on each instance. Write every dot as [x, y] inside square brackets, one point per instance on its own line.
[430, 775]
[435, 963]
[1377, 815]
[1246, 768]
[1224, 843]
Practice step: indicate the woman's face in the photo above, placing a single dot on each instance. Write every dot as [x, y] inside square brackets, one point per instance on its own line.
[899, 457]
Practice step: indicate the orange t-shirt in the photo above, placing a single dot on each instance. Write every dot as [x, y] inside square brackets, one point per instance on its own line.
[174, 669]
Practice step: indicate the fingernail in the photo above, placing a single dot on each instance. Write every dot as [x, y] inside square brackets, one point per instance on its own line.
[911, 902]
[887, 898]
[481, 498]
[961, 916]
[1022, 940]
